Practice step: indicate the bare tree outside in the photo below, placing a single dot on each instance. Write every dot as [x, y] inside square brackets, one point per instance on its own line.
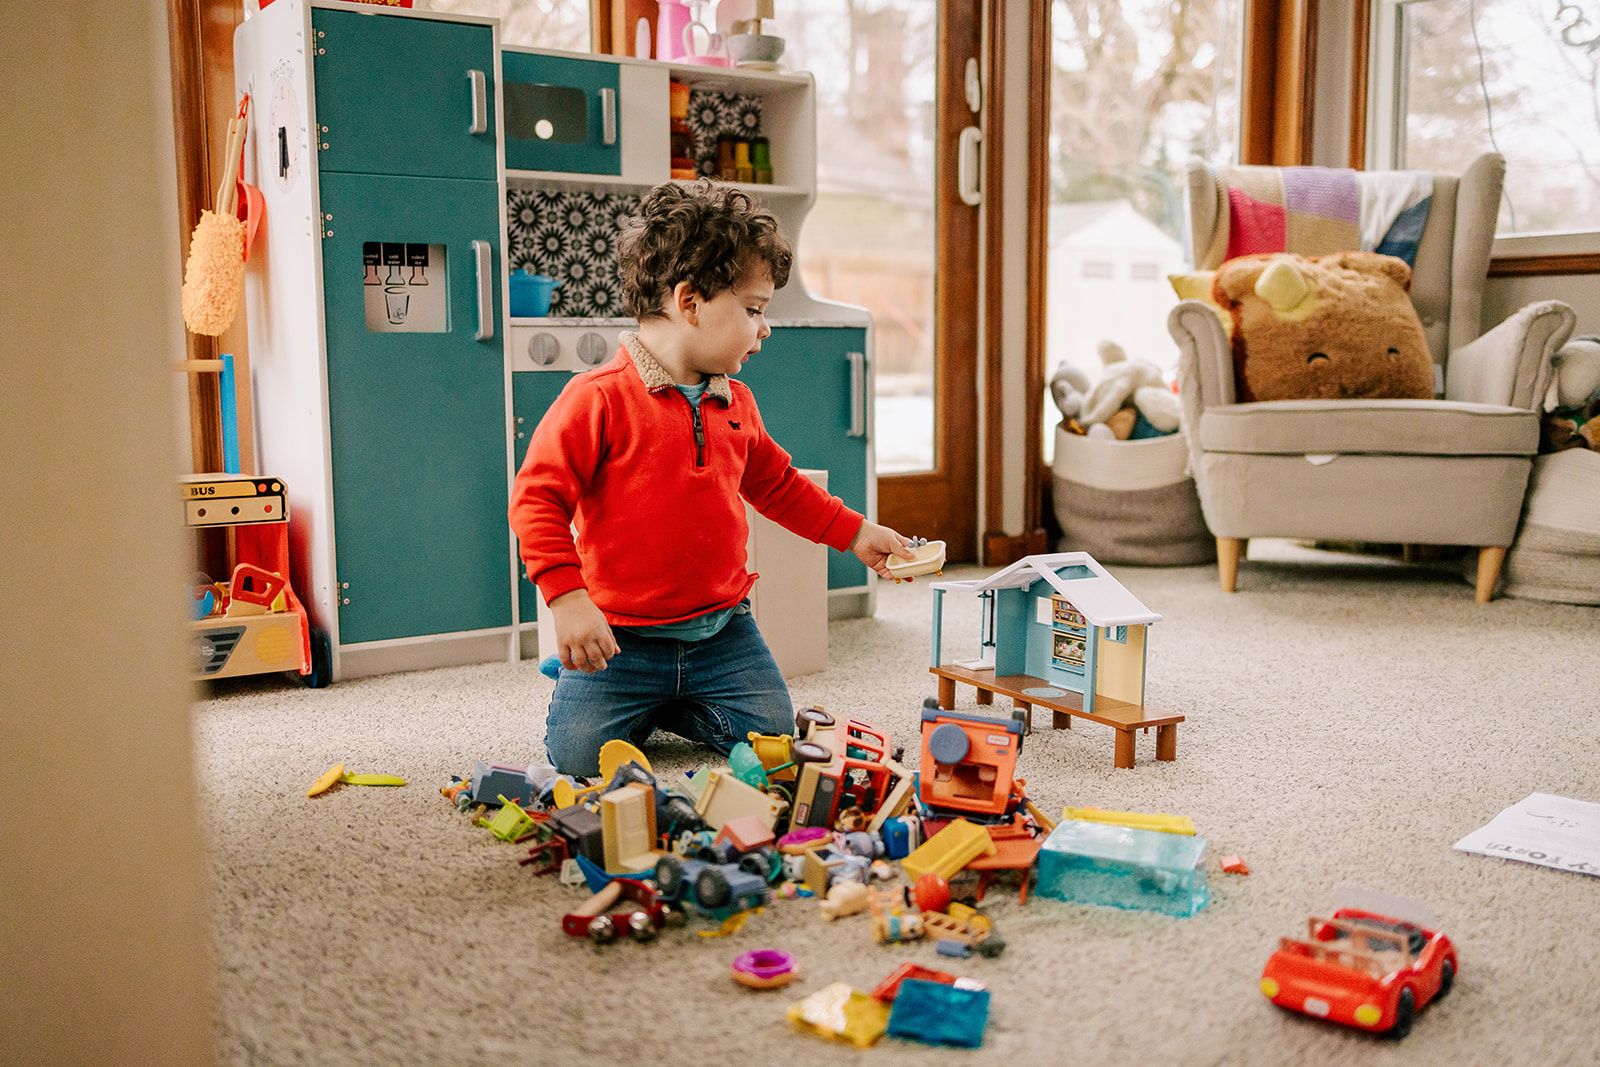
[869, 238]
[1521, 77]
[1137, 88]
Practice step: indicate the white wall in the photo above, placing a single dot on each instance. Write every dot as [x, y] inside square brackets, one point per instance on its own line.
[104, 937]
[1503, 296]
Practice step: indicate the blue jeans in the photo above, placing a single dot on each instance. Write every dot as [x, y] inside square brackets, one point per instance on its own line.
[714, 691]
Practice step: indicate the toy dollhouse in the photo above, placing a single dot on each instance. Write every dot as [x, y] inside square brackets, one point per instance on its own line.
[1059, 631]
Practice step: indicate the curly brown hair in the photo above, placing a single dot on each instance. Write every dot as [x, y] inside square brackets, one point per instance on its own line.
[708, 235]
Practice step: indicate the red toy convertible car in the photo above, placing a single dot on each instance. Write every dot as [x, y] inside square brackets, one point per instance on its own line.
[1362, 969]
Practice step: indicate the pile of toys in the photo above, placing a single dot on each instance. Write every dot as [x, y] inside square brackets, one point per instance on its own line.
[825, 813]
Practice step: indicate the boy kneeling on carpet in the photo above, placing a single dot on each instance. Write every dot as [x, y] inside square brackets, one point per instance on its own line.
[648, 457]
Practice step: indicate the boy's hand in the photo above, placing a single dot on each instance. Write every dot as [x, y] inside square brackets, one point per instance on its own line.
[584, 641]
[874, 544]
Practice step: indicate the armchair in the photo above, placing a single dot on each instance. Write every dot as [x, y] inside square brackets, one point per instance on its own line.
[1446, 471]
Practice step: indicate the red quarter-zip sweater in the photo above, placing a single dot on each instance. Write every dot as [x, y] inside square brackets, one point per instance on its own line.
[655, 493]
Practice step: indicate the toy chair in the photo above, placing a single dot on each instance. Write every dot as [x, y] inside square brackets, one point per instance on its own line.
[1446, 471]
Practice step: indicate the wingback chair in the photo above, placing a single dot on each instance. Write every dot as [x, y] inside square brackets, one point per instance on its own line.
[1447, 471]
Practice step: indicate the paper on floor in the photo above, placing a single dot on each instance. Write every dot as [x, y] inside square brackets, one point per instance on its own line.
[1546, 830]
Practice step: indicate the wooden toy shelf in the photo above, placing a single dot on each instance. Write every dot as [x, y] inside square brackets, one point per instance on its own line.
[1123, 717]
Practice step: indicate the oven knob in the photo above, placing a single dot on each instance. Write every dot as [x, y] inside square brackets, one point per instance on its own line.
[592, 348]
[543, 348]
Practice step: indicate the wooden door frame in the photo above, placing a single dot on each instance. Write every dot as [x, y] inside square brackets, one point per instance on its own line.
[999, 547]
[945, 498]
[200, 39]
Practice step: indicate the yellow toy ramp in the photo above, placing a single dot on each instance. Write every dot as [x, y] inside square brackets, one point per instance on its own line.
[949, 850]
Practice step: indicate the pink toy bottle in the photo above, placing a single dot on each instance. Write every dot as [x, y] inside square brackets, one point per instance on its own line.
[670, 24]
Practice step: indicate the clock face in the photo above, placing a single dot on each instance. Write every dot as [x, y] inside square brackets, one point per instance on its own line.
[283, 133]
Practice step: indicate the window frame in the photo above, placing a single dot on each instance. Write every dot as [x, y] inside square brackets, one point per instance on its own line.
[1377, 98]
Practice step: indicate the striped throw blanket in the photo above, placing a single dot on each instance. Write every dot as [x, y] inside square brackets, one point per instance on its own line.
[1314, 211]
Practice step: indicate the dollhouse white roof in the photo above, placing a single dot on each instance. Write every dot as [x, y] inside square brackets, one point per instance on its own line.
[1100, 598]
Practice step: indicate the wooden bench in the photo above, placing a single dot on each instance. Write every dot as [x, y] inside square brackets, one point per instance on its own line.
[1123, 717]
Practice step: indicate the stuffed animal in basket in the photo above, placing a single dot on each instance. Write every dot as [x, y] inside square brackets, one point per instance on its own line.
[1572, 416]
[1131, 399]
[1327, 327]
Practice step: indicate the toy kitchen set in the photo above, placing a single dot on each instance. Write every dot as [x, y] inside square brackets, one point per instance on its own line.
[438, 260]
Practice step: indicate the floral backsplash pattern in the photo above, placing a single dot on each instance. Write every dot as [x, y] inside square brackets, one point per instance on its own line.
[573, 236]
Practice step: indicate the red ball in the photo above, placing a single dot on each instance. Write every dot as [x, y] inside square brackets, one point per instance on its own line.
[933, 892]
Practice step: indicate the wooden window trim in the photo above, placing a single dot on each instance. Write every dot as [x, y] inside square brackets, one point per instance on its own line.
[1279, 94]
[1360, 71]
[1528, 266]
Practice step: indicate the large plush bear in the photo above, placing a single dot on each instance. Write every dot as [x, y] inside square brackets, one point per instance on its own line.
[1327, 327]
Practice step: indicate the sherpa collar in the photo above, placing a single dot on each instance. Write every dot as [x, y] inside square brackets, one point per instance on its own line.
[656, 378]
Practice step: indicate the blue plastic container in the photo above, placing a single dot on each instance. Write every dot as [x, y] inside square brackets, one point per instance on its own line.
[1099, 863]
[530, 294]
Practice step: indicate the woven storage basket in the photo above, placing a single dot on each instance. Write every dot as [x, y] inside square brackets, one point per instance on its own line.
[1556, 555]
[1129, 501]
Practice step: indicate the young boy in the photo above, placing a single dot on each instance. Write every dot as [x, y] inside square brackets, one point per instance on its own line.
[651, 457]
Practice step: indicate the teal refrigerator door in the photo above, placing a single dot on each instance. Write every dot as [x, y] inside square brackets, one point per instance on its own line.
[402, 95]
[416, 404]
[561, 114]
[802, 381]
[532, 393]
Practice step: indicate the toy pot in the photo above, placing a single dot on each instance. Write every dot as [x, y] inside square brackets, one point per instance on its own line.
[530, 294]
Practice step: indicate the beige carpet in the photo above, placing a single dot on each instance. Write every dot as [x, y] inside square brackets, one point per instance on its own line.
[1346, 724]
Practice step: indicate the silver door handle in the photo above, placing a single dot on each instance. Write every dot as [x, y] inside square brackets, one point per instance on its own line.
[968, 158]
[482, 260]
[858, 394]
[608, 116]
[480, 102]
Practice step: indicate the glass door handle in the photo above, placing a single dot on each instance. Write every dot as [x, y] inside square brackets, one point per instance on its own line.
[858, 394]
[608, 116]
[482, 261]
[480, 102]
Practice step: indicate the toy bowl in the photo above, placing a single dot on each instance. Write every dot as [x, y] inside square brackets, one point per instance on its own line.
[530, 294]
[761, 48]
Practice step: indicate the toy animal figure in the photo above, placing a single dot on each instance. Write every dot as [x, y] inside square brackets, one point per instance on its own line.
[1572, 409]
[846, 898]
[897, 926]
